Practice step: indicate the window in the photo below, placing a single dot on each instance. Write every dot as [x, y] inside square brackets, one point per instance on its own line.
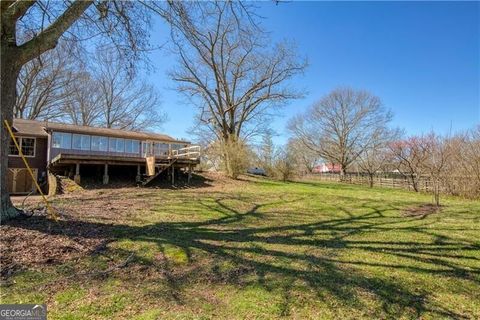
[161, 149]
[26, 144]
[120, 145]
[28, 147]
[128, 146]
[12, 148]
[99, 143]
[62, 140]
[132, 146]
[112, 144]
[81, 142]
[116, 145]
[176, 146]
[135, 146]
[147, 148]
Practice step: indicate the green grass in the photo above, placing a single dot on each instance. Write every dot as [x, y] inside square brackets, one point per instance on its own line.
[267, 250]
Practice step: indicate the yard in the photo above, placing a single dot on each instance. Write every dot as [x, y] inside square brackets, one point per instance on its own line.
[250, 249]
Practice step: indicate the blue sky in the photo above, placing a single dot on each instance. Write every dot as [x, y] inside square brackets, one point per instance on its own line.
[420, 58]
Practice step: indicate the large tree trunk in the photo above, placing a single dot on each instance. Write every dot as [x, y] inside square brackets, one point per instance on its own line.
[414, 182]
[233, 153]
[9, 73]
[436, 191]
[342, 172]
[12, 58]
[370, 179]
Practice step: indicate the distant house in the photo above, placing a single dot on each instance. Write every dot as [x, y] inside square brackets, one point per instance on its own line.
[327, 168]
[64, 148]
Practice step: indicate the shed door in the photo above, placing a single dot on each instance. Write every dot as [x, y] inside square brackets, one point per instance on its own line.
[20, 181]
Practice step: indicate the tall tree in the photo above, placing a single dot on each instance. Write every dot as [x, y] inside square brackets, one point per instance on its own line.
[284, 163]
[305, 158]
[30, 28]
[439, 150]
[266, 152]
[123, 101]
[410, 156]
[376, 155]
[42, 85]
[469, 158]
[228, 69]
[341, 125]
[82, 106]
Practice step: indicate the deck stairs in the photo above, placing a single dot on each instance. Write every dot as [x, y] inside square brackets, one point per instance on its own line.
[161, 168]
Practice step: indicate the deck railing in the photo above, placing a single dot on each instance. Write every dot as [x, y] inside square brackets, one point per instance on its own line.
[191, 152]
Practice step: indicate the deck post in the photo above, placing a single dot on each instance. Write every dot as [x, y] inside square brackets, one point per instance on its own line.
[76, 178]
[105, 174]
[173, 175]
[189, 173]
[138, 178]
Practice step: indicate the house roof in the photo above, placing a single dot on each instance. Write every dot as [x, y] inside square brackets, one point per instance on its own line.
[40, 128]
[29, 127]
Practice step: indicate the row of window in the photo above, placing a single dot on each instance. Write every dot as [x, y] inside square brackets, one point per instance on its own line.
[85, 142]
[27, 145]
[95, 143]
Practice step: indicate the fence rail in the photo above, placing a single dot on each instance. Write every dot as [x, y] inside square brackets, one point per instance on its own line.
[455, 185]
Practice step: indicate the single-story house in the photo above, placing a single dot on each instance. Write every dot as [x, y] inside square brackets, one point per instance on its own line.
[65, 148]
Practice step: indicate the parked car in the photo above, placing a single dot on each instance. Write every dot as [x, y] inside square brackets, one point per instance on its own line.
[257, 171]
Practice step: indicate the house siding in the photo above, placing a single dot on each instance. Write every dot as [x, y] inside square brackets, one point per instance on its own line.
[38, 163]
[40, 159]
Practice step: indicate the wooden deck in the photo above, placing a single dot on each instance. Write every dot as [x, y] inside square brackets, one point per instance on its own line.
[65, 158]
[185, 158]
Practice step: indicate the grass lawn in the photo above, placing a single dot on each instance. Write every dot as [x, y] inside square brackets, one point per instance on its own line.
[255, 249]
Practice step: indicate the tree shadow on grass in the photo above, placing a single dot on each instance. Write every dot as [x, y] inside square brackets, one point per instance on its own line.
[291, 257]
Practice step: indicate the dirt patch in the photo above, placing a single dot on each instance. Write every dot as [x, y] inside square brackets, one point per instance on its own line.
[422, 211]
[35, 241]
[85, 226]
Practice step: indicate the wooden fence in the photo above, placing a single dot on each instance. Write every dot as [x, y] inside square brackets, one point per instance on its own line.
[449, 185]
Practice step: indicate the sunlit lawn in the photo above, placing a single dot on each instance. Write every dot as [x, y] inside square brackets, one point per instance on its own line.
[264, 249]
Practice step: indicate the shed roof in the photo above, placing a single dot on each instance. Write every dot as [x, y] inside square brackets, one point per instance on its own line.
[40, 128]
[29, 127]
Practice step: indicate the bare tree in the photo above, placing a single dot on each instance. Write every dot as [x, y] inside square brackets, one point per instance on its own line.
[472, 154]
[341, 125]
[229, 71]
[266, 152]
[305, 158]
[82, 105]
[123, 101]
[439, 151]
[464, 165]
[284, 163]
[102, 92]
[409, 156]
[375, 156]
[42, 85]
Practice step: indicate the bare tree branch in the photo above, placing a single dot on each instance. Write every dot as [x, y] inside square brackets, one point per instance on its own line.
[341, 125]
[48, 38]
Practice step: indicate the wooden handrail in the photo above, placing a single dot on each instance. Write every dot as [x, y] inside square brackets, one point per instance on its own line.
[178, 152]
